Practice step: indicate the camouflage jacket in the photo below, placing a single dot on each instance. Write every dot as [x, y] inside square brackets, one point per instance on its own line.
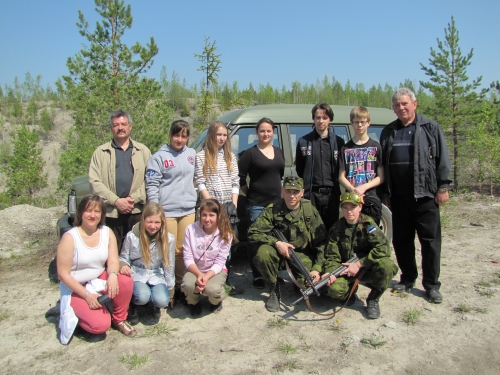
[369, 244]
[311, 241]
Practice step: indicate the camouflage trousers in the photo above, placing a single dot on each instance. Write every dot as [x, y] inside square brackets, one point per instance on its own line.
[377, 277]
[269, 262]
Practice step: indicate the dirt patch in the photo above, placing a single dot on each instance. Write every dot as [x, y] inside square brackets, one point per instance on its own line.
[460, 336]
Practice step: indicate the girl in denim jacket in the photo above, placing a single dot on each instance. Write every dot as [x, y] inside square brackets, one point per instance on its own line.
[148, 256]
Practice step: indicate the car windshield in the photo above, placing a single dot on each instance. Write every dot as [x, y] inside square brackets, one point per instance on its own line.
[201, 139]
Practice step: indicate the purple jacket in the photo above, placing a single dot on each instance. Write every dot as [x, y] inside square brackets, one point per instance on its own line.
[195, 249]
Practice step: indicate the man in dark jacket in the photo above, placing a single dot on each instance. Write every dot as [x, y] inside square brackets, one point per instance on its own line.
[417, 175]
[316, 160]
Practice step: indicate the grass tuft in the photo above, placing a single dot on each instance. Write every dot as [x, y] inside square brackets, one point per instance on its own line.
[287, 366]
[286, 348]
[4, 315]
[484, 284]
[411, 317]
[277, 322]
[373, 341]
[133, 360]
[159, 329]
[462, 308]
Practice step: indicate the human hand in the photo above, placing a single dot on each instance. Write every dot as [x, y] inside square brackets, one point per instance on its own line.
[201, 283]
[124, 205]
[112, 285]
[172, 303]
[352, 269]
[331, 280]
[440, 198]
[360, 190]
[91, 300]
[126, 270]
[282, 248]
[314, 276]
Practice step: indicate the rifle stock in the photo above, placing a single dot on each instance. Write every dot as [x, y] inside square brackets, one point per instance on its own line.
[314, 287]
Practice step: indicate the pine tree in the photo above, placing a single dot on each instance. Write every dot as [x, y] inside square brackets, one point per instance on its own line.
[210, 66]
[104, 76]
[455, 95]
[24, 170]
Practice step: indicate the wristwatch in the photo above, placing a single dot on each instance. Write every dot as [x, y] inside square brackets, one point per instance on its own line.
[443, 190]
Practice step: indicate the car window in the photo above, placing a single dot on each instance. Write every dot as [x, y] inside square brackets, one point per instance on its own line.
[374, 132]
[298, 131]
[245, 137]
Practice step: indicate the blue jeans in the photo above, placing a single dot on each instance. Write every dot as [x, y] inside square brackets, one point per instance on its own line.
[253, 213]
[145, 292]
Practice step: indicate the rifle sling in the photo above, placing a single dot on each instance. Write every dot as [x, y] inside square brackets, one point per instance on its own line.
[290, 273]
[353, 289]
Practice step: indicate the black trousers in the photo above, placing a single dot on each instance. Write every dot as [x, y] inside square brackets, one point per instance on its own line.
[122, 225]
[327, 206]
[410, 215]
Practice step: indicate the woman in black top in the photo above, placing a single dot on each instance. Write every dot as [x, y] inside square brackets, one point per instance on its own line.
[265, 165]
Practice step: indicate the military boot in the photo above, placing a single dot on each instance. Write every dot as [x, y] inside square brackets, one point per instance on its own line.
[273, 302]
[373, 309]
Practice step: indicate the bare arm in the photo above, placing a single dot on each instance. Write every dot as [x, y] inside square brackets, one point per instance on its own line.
[343, 180]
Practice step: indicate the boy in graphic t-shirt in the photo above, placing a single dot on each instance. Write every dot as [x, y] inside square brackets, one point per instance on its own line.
[360, 165]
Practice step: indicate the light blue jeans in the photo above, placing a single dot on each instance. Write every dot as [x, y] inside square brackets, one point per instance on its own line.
[145, 292]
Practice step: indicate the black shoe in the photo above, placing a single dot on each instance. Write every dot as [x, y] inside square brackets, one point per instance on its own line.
[373, 309]
[195, 310]
[273, 302]
[216, 308]
[133, 314]
[259, 283]
[156, 312]
[180, 297]
[402, 287]
[434, 295]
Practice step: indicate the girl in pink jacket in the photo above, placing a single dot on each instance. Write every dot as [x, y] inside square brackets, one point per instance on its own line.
[206, 248]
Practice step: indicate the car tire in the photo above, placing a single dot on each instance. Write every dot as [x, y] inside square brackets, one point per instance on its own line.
[386, 222]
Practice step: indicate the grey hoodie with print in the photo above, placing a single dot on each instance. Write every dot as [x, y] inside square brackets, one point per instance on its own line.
[169, 180]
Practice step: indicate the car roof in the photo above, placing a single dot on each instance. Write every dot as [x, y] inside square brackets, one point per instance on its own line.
[300, 114]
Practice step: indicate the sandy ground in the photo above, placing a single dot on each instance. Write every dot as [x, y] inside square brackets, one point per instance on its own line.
[460, 336]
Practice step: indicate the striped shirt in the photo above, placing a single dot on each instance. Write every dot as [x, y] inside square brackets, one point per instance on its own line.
[222, 184]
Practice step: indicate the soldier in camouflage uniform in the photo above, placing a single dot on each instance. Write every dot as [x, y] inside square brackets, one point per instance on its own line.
[358, 234]
[301, 224]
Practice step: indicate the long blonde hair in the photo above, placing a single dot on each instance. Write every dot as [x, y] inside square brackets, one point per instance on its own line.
[211, 150]
[161, 237]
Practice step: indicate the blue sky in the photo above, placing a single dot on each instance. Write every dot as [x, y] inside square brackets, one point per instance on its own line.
[262, 41]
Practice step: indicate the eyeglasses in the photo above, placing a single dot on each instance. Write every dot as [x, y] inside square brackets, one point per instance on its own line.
[350, 197]
[290, 179]
[362, 123]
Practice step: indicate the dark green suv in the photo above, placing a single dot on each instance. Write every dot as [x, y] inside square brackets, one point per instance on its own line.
[292, 122]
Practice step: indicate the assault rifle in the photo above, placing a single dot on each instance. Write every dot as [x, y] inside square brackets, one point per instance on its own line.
[314, 287]
[295, 259]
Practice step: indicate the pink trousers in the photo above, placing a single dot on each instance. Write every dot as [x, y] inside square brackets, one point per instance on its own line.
[99, 320]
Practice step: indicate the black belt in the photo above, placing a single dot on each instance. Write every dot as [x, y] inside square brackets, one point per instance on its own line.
[322, 190]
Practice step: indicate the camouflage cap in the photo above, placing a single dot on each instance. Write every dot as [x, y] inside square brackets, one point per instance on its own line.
[293, 182]
[349, 197]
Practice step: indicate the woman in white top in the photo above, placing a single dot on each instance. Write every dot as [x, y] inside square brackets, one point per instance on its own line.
[82, 255]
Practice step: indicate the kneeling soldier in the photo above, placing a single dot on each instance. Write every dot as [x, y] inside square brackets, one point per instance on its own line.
[358, 234]
[301, 224]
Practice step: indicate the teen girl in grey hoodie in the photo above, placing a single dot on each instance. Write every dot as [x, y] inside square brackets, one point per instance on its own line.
[169, 182]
